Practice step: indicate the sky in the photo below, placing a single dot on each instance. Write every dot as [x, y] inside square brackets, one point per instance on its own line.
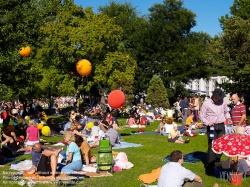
[207, 11]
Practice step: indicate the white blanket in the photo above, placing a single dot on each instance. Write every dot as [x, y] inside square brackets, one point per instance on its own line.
[21, 166]
[89, 168]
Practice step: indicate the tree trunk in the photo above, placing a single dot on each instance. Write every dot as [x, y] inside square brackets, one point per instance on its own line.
[77, 101]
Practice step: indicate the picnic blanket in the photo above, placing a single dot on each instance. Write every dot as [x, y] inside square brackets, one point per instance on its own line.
[47, 179]
[150, 177]
[126, 145]
[191, 157]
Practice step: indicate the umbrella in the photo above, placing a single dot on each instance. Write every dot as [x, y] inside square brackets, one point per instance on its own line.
[232, 145]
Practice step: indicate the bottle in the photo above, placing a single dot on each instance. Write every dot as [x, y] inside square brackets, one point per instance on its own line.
[228, 129]
[211, 133]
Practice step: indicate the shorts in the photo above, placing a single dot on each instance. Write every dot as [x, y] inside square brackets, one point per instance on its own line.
[173, 140]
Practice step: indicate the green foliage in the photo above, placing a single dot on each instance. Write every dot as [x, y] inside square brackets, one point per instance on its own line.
[20, 26]
[5, 92]
[117, 72]
[78, 33]
[157, 93]
[170, 48]
[231, 49]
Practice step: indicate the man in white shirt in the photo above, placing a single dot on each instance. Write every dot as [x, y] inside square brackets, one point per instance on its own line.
[174, 175]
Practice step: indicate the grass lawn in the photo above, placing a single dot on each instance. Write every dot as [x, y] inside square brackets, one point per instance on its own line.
[145, 159]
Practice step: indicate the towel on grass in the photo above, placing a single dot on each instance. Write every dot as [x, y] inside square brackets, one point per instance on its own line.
[126, 145]
[191, 157]
[23, 165]
[150, 177]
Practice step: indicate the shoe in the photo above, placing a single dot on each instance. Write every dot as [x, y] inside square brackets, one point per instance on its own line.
[187, 141]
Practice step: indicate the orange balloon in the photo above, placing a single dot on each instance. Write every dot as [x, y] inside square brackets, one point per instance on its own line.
[40, 126]
[25, 51]
[84, 67]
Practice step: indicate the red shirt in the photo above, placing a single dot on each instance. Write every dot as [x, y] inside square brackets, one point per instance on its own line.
[238, 110]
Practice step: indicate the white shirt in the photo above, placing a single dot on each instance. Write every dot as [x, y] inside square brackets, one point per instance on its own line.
[173, 175]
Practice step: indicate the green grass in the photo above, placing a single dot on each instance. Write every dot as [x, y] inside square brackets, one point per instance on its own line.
[145, 159]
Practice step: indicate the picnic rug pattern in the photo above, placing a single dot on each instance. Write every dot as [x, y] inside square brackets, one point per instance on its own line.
[42, 179]
[47, 179]
[191, 157]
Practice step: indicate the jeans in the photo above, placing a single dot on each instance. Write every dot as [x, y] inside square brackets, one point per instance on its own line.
[164, 133]
[185, 115]
[71, 167]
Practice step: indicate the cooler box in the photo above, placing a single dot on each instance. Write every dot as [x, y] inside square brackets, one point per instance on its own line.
[104, 158]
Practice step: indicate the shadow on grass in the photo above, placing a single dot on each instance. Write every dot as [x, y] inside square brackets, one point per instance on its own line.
[125, 134]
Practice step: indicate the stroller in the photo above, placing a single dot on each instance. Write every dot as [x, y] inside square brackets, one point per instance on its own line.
[178, 116]
[104, 159]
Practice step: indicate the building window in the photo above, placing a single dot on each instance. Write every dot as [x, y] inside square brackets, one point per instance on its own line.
[214, 84]
[197, 85]
[190, 85]
[223, 80]
[207, 86]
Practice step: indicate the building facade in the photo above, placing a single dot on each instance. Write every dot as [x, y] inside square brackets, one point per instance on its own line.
[205, 86]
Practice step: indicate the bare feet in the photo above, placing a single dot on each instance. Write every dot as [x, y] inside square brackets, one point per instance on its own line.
[52, 178]
[80, 172]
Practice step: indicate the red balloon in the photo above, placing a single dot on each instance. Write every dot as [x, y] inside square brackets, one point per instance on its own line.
[116, 99]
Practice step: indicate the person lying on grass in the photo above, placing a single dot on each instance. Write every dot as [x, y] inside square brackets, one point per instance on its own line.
[175, 175]
[74, 127]
[174, 136]
[44, 161]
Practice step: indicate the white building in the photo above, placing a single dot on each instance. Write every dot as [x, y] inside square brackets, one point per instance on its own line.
[205, 86]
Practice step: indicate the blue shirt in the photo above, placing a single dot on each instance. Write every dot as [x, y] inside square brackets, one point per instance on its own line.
[67, 125]
[73, 148]
[184, 103]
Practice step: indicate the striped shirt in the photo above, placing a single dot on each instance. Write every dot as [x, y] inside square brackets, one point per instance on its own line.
[238, 110]
[211, 112]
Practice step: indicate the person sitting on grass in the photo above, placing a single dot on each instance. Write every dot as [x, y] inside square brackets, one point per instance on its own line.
[174, 136]
[44, 161]
[32, 134]
[95, 129]
[73, 165]
[190, 123]
[131, 122]
[173, 174]
[8, 138]
[84, 148]
[113, 137]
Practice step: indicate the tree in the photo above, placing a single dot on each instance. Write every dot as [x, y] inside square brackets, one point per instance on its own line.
[135, 29]
[171, 50]
[232, 47]
[117, 72]
[20, 26]
[76, 33]
[157, 93]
